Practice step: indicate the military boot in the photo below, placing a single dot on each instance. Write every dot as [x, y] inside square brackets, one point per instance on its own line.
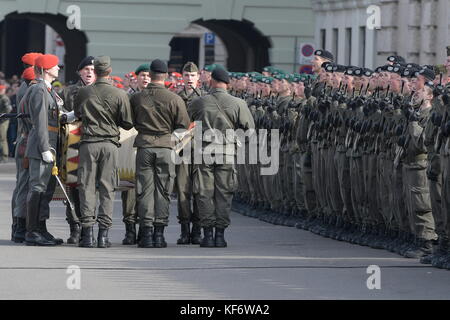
[48, 235]
[146, 240]
[424, 247]
[87, 239]
[410, 244]
[208, 239]
[75, 231]
[158, 237]
[196, 234]
[441, 250]
[102, 238]
[20, 230]
[219, 238]
[130, 234]
[13, 228]
[185, 237]
[33, 236]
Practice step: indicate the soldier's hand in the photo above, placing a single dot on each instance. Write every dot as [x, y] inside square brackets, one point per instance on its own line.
[47, 156]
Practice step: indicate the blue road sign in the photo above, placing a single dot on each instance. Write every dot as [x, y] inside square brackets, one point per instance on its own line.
[210, 38]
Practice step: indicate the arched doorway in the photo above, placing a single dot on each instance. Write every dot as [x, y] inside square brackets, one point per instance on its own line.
[25, 32]
[245, 47]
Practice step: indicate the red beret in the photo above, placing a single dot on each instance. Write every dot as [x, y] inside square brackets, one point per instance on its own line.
[30, 57]
[47, 61]
[28, 74]
[117, 78]
[2, 86]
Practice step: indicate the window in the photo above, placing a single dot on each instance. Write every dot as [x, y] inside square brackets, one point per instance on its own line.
[362, 46]
[322, 38]
[348, 46]
[335, 43]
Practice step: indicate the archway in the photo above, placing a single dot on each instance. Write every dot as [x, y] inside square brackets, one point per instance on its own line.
[247, 49]
[25, 32]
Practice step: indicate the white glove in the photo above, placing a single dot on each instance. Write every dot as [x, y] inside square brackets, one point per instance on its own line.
[47, 156]
[68, 117]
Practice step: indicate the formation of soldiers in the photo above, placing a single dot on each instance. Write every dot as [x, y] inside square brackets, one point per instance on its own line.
[100, 103]
[364, 154]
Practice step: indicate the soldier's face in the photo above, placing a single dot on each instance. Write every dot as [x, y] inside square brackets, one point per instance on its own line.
[419, 82]
[317, 63]
[265, 89]
[53, 72]
[205, 76]
[300, 89]
[190, 79]
[87, 75]
[143, 79]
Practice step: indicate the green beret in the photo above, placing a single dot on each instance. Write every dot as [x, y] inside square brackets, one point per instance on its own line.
[143, 67]
[190, 67]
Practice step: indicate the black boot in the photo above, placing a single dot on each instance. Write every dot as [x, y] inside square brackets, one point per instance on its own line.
[87, 239]
[146, 240]
[208, 239]
[196, 234]
[20, 230]
[130, 234]
[424, 247]
[185, 237]
[219, 238]
[75, 231]
[33, 236]
[48, 235]
[158, 237]
[13, 229]
[102, 239]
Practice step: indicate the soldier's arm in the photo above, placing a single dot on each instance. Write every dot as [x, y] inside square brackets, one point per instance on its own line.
[39, 117]
[125, 113]
[181, 118]
[77, 103]
[245, 117]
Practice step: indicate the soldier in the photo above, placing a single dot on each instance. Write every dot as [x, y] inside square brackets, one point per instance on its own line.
[44, 107]
[215, 183]
[86, 75]
[188, 215]
[18, 201]
[129, 213]
[157, 113]
[5, 107]
[102, 109]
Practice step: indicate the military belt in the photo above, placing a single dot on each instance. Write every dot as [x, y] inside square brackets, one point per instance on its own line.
[420, 157]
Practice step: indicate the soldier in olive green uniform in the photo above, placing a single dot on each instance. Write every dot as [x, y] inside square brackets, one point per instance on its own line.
[129, 211]
[102, 109]
[215, 183]
[86, 72]
[187, 211]
[157, 114]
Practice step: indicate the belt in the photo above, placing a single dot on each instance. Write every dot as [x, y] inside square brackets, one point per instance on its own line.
[53, 129]
[419, 157]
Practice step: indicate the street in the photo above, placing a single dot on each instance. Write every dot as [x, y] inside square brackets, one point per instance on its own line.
[262, 261]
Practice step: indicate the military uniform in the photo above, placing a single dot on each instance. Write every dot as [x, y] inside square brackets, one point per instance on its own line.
[5, 107]
[44, 116]
[187, 214]
[215, 183]
[102, 109]
[157, 113]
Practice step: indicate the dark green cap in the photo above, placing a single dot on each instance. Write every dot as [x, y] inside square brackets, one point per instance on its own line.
[143, 67]
[102, 63]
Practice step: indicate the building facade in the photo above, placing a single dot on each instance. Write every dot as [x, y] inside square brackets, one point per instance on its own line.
[418, 30]
[253, 32]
